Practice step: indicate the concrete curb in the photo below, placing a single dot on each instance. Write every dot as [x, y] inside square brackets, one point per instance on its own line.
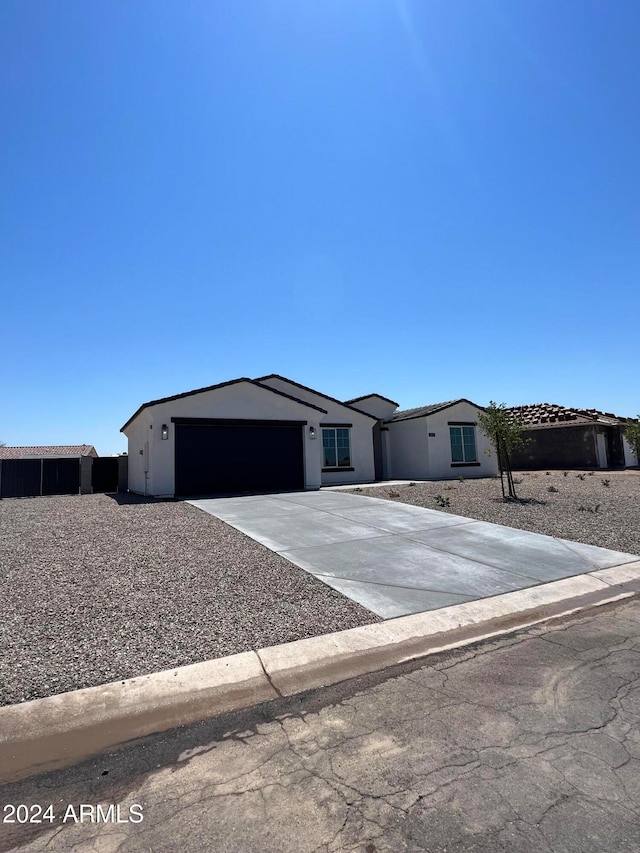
[49, 733]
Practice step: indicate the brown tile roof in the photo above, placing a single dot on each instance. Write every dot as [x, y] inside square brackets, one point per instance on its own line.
[48, 450]
[545, 414]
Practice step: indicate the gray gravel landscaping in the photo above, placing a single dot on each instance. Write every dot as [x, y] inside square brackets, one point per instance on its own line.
[582, 507]
[95, 589]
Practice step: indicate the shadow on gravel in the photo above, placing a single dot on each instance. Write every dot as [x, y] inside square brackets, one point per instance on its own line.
[519, 501]
[129, 499]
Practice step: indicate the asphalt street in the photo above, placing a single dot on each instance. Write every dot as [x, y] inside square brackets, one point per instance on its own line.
[527, 743]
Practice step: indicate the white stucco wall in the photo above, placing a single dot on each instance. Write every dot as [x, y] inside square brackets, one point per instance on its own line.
[337, 413]
[137, 435]
[420, 448]
[376, 406]
[408, 456]
[242, 401]
[440, 445]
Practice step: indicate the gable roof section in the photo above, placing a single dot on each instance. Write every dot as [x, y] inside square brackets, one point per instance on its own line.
[214, 388]
[423, 411]
[48, 450]
[368, 397]
[261, 379]
[550, 414]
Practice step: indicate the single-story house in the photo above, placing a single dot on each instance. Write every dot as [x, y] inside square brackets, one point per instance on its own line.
[558, 437]
[272, 433]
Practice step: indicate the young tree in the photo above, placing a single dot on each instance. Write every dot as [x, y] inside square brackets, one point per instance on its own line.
[631, 432]
[505, 433]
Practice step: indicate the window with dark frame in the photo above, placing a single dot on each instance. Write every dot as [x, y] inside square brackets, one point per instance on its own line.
[336, 447]
[463, 444]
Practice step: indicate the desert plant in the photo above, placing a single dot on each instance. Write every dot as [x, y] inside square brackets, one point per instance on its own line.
[442, 501]
[505, 434]
[461, 478]
[548, 473]
[593, 509]
[393, 494]
[606, 483]
[412, 484]
[565, 473]
[551, 489]
[590, 474]
[580, 476]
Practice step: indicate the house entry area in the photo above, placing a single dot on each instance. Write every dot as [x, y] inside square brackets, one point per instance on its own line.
[217, 456]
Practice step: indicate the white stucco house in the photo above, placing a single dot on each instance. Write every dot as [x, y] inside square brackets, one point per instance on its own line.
[273, 434]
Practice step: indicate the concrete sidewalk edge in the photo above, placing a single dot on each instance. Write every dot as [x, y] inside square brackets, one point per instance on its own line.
[45, 734]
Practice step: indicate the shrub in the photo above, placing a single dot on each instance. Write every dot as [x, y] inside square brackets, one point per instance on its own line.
[393, 494]
[580, 476]
[442, 501]
[551, 489]
[606, 483]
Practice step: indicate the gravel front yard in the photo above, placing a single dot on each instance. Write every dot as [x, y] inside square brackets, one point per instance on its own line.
[95, 589]
[568, 513]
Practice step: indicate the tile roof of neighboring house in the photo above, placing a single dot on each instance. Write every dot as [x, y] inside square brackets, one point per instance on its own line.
[213, 388]
[48, 450]
[423, 411]
[368, 396]
[550, 414]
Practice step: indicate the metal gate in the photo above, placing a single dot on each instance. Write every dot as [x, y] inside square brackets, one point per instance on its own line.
[104, 474]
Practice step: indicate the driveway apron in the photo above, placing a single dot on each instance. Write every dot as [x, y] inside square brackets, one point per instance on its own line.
[397, 559]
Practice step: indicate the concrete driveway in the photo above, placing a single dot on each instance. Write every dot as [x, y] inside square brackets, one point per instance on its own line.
[397, 559]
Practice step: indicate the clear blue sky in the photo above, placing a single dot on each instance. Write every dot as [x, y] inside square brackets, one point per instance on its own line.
[425, 199]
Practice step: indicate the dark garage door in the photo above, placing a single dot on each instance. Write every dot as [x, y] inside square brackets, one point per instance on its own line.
[222, 457]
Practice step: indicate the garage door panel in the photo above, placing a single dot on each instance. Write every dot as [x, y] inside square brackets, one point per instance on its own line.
[221, 458]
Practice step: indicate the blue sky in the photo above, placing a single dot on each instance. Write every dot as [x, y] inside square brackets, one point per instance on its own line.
[426, 199]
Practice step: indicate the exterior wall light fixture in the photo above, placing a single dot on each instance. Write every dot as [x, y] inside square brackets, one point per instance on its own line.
[165, 432]
[312, 432]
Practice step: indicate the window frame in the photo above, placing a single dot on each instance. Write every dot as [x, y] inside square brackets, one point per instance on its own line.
[460, 427]
[333, 428]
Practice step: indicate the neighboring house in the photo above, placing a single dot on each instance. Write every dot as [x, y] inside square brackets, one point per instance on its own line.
[48, 451]
[571, 438]
[272, 434]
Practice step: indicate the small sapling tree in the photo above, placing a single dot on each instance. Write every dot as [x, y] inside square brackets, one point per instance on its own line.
[504, 431]
[631, 431]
